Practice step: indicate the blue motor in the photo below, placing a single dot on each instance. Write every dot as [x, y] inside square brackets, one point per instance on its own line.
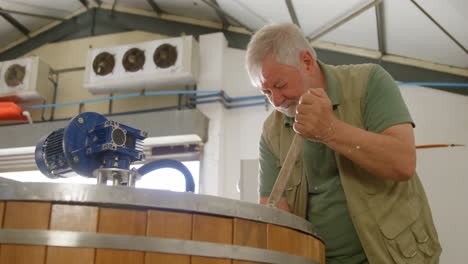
[89, 142]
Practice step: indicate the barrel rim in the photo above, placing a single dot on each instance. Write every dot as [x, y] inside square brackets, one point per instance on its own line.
[131, 198]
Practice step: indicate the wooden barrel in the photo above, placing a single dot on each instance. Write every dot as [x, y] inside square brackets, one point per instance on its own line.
[50, 223]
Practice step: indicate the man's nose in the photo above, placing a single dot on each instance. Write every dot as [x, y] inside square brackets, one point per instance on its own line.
[276, 98]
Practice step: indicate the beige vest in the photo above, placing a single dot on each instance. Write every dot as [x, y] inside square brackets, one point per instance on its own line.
[392, 219]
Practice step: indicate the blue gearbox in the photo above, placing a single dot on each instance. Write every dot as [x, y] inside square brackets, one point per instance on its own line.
[89, 142]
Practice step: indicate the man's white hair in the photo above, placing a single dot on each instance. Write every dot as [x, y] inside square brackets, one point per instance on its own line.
[284, 40]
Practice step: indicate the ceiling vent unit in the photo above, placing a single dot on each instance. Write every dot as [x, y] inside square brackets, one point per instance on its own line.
[148, 65]
[25, 79]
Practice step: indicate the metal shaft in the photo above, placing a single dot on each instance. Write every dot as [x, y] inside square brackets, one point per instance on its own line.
[280, 184]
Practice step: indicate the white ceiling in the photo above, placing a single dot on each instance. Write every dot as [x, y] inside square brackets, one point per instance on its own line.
[407, 31]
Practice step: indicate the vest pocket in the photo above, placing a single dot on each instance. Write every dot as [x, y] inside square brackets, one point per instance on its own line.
[412, 245]
[296, 193]
[424, 242]
[404, 233]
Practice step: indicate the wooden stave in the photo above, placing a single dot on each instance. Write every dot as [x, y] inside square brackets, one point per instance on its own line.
[105, 226]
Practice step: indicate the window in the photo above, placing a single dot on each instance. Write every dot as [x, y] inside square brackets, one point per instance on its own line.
[162, 179]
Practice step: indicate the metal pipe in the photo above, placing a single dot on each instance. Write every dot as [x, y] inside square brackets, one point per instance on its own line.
[221, 16]
[292, 12]
[15, 23]
[342, 19]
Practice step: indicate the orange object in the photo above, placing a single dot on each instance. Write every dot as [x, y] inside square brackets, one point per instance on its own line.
[439, 146]
[11, 111]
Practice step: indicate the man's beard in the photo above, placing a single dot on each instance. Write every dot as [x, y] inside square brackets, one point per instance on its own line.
[288, 107]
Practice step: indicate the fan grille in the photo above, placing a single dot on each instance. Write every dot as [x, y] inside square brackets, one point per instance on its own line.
[14, 75]
[165, 56]
[133, 60]
[103, 64]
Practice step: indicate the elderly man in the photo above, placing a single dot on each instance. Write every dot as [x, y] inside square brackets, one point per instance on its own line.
[356, 181]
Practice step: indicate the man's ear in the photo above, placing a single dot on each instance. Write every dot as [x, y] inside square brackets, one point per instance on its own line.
[307, 60]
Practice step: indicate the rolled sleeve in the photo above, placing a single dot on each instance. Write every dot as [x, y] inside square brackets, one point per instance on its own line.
[383, 105]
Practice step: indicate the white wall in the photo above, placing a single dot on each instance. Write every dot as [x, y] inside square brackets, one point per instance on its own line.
[233, 134]
[212, 48]
[440, 118]
[243, 126]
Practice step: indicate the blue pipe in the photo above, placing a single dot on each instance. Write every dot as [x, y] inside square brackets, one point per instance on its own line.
[207, 94]
[228, 106]
[214, 93]
[173, 164]
[123, 96]
[243, 98]
[220, 93]
[229, 99]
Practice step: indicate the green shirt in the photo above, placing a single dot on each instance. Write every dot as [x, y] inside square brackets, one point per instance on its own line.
[327, 210]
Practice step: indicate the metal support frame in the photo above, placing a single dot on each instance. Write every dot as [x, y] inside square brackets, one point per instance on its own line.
[15, 23]
[9, 11]
[220, 10]
[85, 3]
[440, 26]
[221, 16]
[114, 4]
[54, 78]
[93, 23]
[380, 17]
[343, 19]
[292, 12]
[155, 7]
[77, 27]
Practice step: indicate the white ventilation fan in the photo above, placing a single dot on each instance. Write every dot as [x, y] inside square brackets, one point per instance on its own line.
[25, 79]
[102, 65]
[147, 65]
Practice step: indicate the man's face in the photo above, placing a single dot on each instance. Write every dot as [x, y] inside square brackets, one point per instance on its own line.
[283, 85]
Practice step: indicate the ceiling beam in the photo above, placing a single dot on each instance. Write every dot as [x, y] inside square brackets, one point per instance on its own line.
[292, 12]
[354, 12]
[8, 11]
[439, 26]
[403, 69]
[220, 15]
[381, 34]
[15, 23]
[218, 9]
[155, 7]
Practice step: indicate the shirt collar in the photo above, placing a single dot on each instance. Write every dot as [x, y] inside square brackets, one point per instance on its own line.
[332, 90]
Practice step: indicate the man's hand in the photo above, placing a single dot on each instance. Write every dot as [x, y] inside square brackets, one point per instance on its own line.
[314, 116]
